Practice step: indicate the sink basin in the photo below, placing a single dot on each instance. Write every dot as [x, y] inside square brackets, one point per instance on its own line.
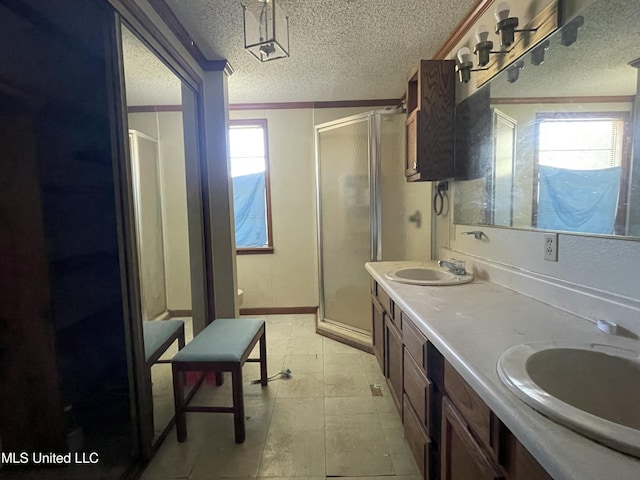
[427, 276]
[591, 388]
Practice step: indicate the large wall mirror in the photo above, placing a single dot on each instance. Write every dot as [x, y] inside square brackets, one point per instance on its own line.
[550, 145]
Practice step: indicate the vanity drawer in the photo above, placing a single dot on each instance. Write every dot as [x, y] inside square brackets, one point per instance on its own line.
[475, 412]
[418, 441]
[389, 307]
[415, 343]
[418, 390]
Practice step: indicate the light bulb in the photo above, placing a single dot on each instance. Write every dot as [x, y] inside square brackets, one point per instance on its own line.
[501, 12]
[482, 33]
[464, 55]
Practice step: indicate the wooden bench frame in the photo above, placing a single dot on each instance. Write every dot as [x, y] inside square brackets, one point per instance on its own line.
[182, 406]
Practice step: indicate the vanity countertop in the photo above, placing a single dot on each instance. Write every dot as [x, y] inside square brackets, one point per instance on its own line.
[472, 325]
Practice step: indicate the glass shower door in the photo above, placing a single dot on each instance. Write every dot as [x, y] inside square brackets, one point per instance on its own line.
[345, 232]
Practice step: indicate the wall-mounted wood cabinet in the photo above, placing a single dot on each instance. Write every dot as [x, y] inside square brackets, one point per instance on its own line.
[430, 121]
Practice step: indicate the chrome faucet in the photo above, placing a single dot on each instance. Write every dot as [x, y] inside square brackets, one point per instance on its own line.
[454, 266]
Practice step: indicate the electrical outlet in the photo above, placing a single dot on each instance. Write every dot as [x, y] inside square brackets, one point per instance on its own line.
[551, 247]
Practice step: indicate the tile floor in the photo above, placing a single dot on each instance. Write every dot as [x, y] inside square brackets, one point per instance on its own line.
[322, 422]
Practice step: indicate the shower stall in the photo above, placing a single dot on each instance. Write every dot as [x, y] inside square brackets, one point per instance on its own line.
[359, 162]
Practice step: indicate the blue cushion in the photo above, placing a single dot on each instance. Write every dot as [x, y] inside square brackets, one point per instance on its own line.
[224, 340]
[156, 332]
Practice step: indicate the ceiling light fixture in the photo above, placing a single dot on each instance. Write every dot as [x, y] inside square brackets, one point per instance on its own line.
[506, 25]
[266, 30]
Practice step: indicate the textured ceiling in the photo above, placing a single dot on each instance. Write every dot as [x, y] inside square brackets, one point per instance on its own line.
[148, 81]
[340, 49]
[597, 64]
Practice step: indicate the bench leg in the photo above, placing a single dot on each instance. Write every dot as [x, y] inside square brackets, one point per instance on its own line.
[263, 359]
[238, 403]
[219, 378]
[178, 400]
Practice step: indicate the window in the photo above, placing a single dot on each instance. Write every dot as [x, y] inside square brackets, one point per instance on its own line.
[589, 151]
[248, 151]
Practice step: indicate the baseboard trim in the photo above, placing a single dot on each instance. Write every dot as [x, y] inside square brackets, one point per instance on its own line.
[340, 334]
[277, 310]
[180, 313]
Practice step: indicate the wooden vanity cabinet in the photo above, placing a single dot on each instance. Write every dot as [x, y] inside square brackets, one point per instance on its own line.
[430, 121]
[377, 315]
[394, 362]
[462, 456]
[475, 443]
[452, 433]
[387, 340]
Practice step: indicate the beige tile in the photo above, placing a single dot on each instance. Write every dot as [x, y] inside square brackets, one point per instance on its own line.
[293, 454]
[357, 453]
[360, 421]
[298, 414]
[404, 463]
[331, 346]
[230, 460]
[176, 460]
[349, 405]
[347, 384]
[304, 363]
[301, 385]
[395, 440]
[251, 370]
[385, 404]
[306, 345]
[343, 363]
[390, 420]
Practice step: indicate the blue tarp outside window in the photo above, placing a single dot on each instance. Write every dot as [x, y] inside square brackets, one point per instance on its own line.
[250, 210]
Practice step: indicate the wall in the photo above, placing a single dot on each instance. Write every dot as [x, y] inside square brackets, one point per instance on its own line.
[167, 128]
[599, 270]
[289, 276]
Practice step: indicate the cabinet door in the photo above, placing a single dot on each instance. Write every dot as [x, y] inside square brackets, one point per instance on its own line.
[394, 362]
[377, 316]
[462, 456]
[417, 439]
[411, 167]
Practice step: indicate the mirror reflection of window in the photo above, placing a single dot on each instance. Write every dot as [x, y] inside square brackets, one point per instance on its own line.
[248, 152]
[582, 161]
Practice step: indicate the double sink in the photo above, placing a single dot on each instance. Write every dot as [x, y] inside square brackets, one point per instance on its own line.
[594, 389]
[591, 388]
[427, 277]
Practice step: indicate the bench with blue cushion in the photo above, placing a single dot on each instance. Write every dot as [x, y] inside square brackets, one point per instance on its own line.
[223, 346]
[158, 336]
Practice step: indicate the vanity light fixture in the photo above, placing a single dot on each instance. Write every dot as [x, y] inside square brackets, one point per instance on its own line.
[266, 30]
[484, 45]
[513, 72]
[570, 31]
[464, 66]
[506, 25]
[537, 54]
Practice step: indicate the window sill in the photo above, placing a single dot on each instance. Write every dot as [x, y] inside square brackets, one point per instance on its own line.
[254, 251]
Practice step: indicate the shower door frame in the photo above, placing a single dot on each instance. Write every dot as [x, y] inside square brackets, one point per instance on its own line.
[339, 331]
